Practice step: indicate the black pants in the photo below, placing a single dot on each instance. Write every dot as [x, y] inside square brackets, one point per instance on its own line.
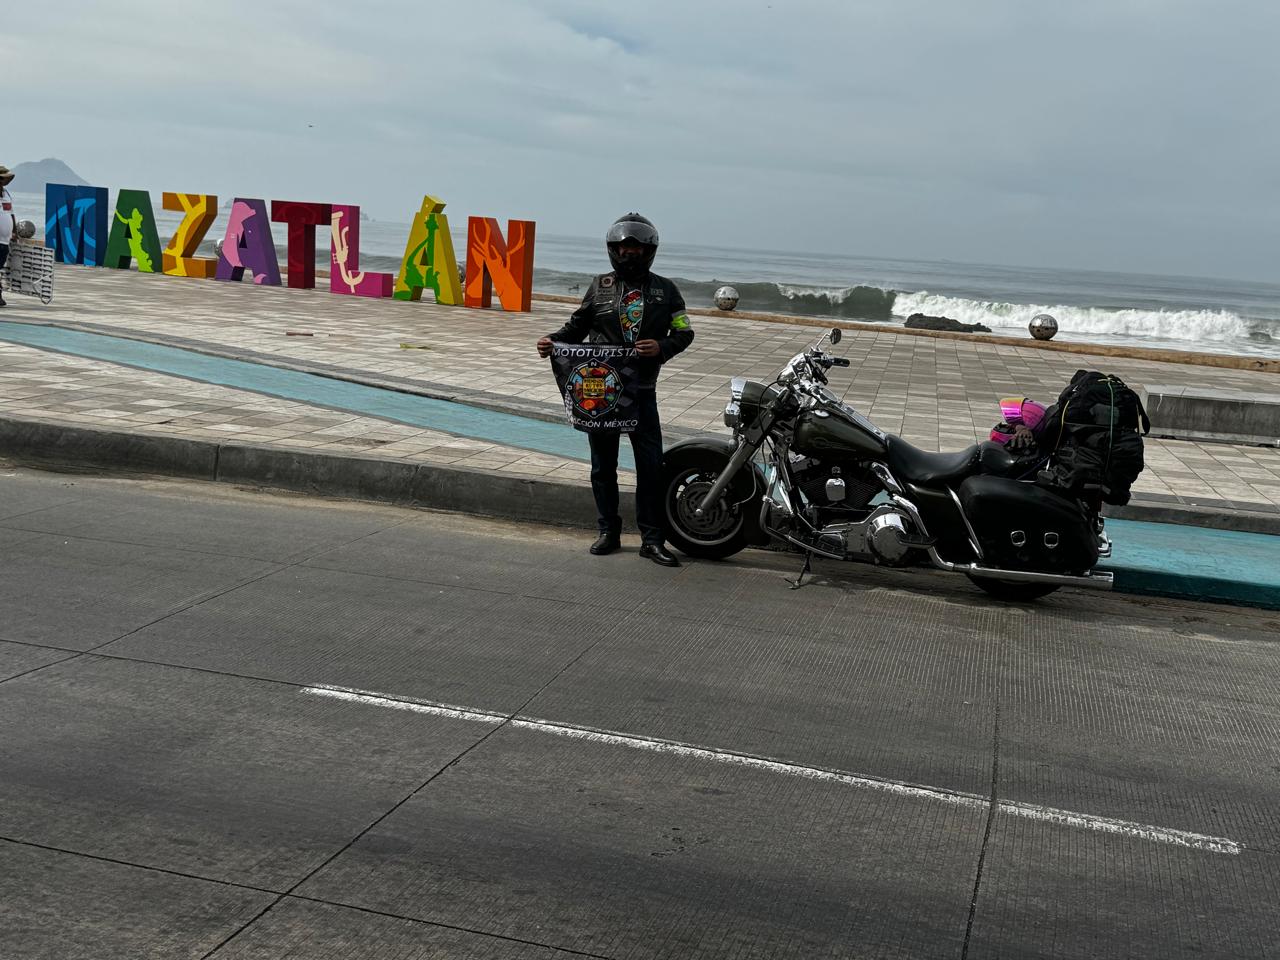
[646, 445]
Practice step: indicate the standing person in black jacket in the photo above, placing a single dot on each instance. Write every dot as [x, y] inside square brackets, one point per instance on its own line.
[631, 306]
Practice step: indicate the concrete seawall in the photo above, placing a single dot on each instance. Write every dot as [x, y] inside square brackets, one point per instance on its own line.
[1191, 357]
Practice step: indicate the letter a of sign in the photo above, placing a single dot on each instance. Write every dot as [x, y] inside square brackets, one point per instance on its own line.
[493, 262]
[429, 263]
[248, 245]
[133, 236]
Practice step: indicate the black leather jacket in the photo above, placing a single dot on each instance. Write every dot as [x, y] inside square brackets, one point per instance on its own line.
[597, 321]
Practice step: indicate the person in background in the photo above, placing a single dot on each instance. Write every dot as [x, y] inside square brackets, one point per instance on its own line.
[633, 307]
[8, 222]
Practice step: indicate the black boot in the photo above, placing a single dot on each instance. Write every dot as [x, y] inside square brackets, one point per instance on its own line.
[659, 555]
[607, 542]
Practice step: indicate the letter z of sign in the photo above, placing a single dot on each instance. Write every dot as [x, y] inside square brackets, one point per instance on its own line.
[199, 211]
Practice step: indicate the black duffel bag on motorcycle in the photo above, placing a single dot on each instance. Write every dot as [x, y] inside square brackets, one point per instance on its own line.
[1095, 433]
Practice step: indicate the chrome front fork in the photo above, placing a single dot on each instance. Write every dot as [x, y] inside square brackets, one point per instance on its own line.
[739, 459]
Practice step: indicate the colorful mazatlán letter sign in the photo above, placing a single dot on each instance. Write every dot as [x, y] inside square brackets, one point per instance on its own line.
[429, 263]
[78, 229]
[302, 218]
[199, 211]
[508, 265]
[345, 276]
[248, 245]
[133, 233]
[75, 226]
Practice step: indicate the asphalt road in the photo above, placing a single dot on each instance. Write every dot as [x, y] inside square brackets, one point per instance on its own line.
[244, 725]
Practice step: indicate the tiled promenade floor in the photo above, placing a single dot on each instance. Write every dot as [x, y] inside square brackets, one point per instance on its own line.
[939, 394]
[37, 385]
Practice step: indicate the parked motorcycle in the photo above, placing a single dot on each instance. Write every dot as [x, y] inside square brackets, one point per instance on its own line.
[807, 469]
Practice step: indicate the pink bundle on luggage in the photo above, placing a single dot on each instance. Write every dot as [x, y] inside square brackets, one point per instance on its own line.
[1017, 412]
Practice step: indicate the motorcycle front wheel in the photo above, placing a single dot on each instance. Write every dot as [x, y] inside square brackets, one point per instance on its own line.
[687, 475]
[1013, 592]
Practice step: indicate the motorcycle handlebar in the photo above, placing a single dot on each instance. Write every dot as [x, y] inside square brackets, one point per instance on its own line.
[816, 361]
[826, 361]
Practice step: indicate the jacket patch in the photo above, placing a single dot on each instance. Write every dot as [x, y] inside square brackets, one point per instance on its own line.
[606, 281]
[680, 322]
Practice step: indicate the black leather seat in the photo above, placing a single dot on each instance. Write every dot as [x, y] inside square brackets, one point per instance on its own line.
[999, 461]
[930, 469]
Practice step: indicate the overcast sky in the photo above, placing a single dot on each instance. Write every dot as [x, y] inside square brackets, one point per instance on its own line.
[1137, 135]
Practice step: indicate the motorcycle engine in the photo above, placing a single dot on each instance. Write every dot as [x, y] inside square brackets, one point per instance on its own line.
[831, 484]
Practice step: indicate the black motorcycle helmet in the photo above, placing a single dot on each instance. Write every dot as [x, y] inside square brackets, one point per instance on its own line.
[638, 229]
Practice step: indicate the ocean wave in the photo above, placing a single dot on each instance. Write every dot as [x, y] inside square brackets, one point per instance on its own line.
[866, 303]
[1191, 325]
[845, 303]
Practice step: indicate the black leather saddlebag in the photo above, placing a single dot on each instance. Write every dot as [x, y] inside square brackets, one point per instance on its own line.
[1026, 527]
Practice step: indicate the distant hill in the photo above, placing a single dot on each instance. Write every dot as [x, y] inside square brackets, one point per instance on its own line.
[30, 177]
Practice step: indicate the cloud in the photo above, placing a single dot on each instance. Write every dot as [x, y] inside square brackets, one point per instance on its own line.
[1111, 134]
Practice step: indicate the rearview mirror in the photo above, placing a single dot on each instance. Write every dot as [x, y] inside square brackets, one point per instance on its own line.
[836, 335]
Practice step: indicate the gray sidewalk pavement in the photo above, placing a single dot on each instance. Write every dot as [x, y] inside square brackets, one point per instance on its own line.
[939, 394]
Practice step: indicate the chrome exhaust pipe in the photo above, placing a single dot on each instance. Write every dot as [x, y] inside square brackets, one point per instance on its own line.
[1090, 581]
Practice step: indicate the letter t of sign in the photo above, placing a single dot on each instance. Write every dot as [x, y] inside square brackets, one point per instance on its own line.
[302, 218]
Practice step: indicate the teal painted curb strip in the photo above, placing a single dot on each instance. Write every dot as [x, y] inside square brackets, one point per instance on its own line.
[447, 416]
[1173, 560]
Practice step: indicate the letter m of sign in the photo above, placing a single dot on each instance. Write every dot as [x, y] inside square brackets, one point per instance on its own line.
[75, 225]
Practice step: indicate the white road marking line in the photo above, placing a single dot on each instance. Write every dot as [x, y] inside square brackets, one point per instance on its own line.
[398, 703]
[956, 798]
[1127, 828]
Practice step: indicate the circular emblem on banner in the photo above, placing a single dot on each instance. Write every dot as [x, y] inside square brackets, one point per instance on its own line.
[596, 389]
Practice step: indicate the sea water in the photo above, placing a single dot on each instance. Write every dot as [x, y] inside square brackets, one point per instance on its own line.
[1173, 312]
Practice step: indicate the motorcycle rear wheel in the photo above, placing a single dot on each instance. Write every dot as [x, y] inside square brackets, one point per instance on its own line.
[687, 475]
[1014, 592]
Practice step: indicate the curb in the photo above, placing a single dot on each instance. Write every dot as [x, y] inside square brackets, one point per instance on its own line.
[1161, 583]
[463, 490]
[381, 480]
[1198, 515]
[1218, 566]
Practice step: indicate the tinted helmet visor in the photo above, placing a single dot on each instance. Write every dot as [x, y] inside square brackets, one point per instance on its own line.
[641, 231]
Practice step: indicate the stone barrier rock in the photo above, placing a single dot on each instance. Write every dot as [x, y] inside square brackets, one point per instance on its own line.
[1183, 412]
[920, 321]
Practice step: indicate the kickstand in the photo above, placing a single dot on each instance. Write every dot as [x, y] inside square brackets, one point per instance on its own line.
[798, 582]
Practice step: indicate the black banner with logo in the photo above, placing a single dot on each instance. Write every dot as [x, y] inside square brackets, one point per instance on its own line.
[598, 383]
